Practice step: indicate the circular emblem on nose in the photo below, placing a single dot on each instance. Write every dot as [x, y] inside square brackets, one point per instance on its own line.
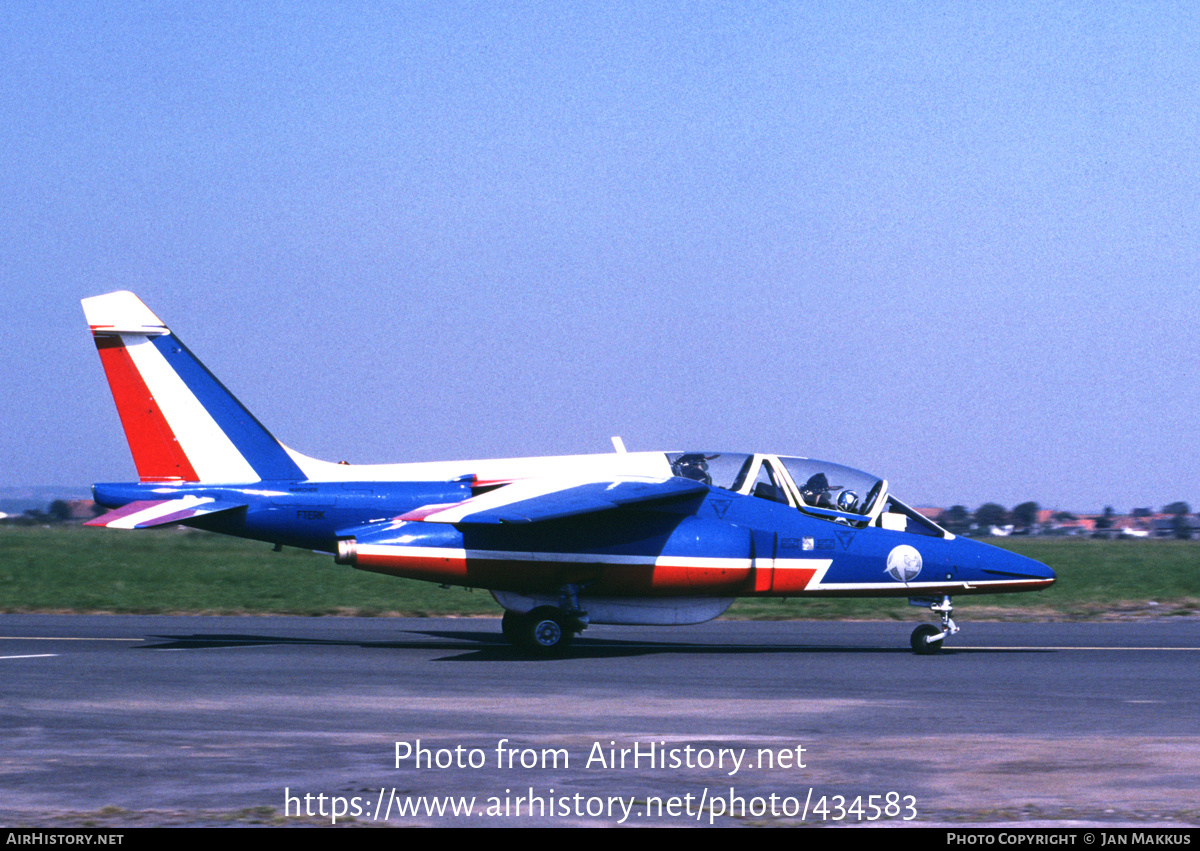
[904, 563]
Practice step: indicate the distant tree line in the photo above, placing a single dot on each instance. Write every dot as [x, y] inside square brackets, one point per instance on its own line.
[59, 511]
[1024, 518]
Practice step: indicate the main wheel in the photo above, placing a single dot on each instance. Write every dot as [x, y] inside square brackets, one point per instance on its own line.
[921, 644]
[545, 631]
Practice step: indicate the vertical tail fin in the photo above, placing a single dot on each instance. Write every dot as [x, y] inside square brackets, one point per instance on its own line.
[181, 422]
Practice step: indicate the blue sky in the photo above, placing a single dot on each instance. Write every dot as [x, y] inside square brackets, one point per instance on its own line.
[953, 244]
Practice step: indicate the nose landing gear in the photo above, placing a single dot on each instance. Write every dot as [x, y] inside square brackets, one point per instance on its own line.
[927, 638]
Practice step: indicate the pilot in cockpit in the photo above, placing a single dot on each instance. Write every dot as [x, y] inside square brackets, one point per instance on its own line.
[694, 466]
[816, 492]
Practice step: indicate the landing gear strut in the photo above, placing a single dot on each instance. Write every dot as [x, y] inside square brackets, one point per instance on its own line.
[546, 630]
[927, 638]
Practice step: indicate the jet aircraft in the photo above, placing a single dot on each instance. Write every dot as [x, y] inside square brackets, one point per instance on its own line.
[560, 542]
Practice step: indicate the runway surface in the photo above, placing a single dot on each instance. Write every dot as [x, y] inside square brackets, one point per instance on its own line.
[122, 721]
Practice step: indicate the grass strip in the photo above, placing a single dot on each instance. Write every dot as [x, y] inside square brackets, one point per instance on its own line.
[71, 568]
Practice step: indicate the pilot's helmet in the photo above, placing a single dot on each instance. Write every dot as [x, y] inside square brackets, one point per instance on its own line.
[693, 465]
[816, 485]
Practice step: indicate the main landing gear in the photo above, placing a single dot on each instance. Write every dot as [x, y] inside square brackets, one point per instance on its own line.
[927, 638]
[546, 630]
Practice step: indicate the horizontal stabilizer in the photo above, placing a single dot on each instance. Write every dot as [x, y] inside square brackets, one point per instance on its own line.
[537, 500]
[148, 513]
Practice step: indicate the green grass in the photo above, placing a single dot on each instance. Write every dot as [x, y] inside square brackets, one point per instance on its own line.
[79, 569]
[1117, 576]
[102, 570]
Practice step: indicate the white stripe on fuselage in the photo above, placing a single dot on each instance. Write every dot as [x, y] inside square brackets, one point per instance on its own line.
[597, 467]
[566, 558]
[819, 564]
[917, 587]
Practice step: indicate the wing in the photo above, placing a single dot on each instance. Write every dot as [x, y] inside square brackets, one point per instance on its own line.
[535, 500]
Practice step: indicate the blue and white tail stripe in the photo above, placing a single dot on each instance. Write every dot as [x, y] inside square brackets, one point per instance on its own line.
[229, 439]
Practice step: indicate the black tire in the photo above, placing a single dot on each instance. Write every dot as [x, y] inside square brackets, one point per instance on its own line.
[921, 644]
[512, 625]
[544, 632]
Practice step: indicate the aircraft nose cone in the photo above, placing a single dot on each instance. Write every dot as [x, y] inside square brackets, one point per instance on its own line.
[1045, 572]
[1034, 570]
[1010, 570]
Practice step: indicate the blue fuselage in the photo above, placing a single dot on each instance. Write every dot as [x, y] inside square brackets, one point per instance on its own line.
[716, 542]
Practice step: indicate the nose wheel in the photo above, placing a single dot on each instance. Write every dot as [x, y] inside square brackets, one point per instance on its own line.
[927, 638]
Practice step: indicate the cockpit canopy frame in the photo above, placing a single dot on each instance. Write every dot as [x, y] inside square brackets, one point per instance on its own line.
[820, 489]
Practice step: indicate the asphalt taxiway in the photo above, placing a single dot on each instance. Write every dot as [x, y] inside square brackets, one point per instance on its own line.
[117, 720]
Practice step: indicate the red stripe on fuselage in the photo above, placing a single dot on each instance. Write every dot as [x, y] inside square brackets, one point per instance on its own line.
[156, 452]
[541, 575]
[789, 581]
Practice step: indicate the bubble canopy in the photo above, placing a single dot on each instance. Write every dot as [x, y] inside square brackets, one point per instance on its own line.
[826, 485]
[821, 488]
